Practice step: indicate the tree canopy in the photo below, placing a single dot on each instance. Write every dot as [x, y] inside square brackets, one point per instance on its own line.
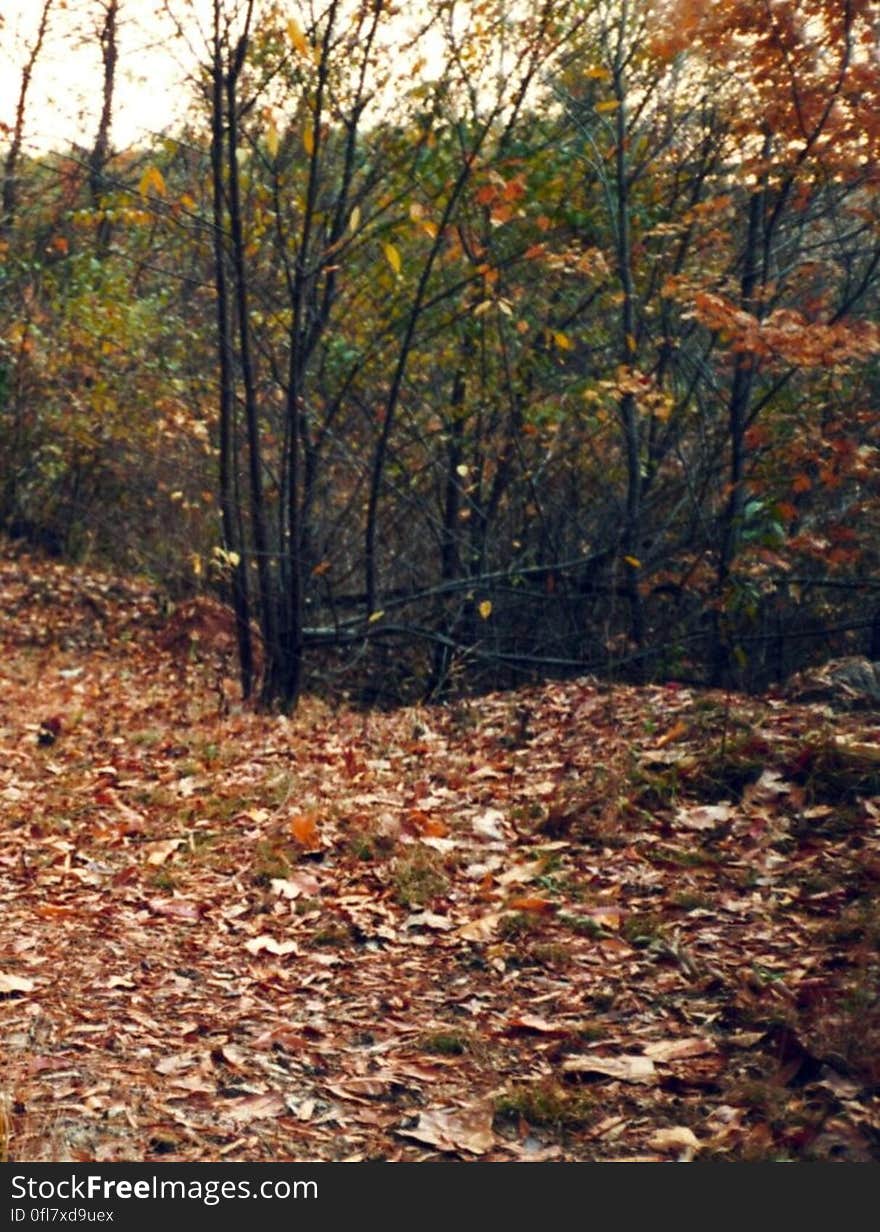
[461, 344]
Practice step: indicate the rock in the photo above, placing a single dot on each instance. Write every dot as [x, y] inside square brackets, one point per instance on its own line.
[852, 683]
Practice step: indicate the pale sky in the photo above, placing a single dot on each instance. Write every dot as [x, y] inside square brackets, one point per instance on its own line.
[65, 96]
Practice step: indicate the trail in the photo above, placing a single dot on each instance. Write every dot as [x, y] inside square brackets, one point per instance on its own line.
[577, 922]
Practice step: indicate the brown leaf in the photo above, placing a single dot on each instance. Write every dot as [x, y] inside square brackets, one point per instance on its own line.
[362, 1090]
[466, 1129]
[176, 1064]
[607, 917]
[521, 873]
[482, 929]
[158, 853]
[676, 1050]
[704, 816]
[294, 885]
[254, 1108]
[233, 1057]
[638, 1069]
[176, 909]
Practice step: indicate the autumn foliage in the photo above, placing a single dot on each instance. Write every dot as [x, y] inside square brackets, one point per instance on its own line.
[544, 343]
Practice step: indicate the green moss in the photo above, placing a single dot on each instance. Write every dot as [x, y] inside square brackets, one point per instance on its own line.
[418, 877]
[445, 1043]
[547, 1103]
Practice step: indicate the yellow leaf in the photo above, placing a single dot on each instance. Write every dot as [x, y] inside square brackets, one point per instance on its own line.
[610, 104]
[485, 609]
[563, 341]
[597, 73]
[633, 561]
[297, 37]
[354, 219]
[376, 616]
[152, 181]
[392, 256]
[630, 343]
[308, 141]
[272, 139]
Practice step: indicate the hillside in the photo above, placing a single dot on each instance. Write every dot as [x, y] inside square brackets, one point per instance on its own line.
[575, 922]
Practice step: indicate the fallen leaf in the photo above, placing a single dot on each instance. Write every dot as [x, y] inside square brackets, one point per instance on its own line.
[362, 1090]
[466, 1129]
[295, 884]
[234, 1057]
[489, 824]
[482, 929]
[678, 1138]
[254, 1108]
[121, 981]
[607, 917]
[676, 1050]
[638, 1069]
[176, 909]
[267, 942]
[430, 919]
[15, 983]
[541, 1026]
[304, 829]
[675, 732]
[744, 1039]
[521, 873]
[158, 853]
[704, 816]
[176, 1064]
[533, 903]
[770, 786]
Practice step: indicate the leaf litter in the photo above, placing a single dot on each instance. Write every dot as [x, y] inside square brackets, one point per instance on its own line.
[422, 935]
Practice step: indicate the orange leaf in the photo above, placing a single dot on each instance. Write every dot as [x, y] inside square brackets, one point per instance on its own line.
[304, 829]
[424, 824]
[675, 733]
[531, 902]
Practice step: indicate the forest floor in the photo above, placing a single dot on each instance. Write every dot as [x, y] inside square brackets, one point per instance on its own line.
[575, 922]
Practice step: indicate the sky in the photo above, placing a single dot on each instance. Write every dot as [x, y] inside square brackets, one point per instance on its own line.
[65, 97]
[151, 94]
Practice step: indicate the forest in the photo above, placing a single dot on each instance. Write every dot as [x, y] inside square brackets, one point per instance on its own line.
[439, 529]
[462, 346]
